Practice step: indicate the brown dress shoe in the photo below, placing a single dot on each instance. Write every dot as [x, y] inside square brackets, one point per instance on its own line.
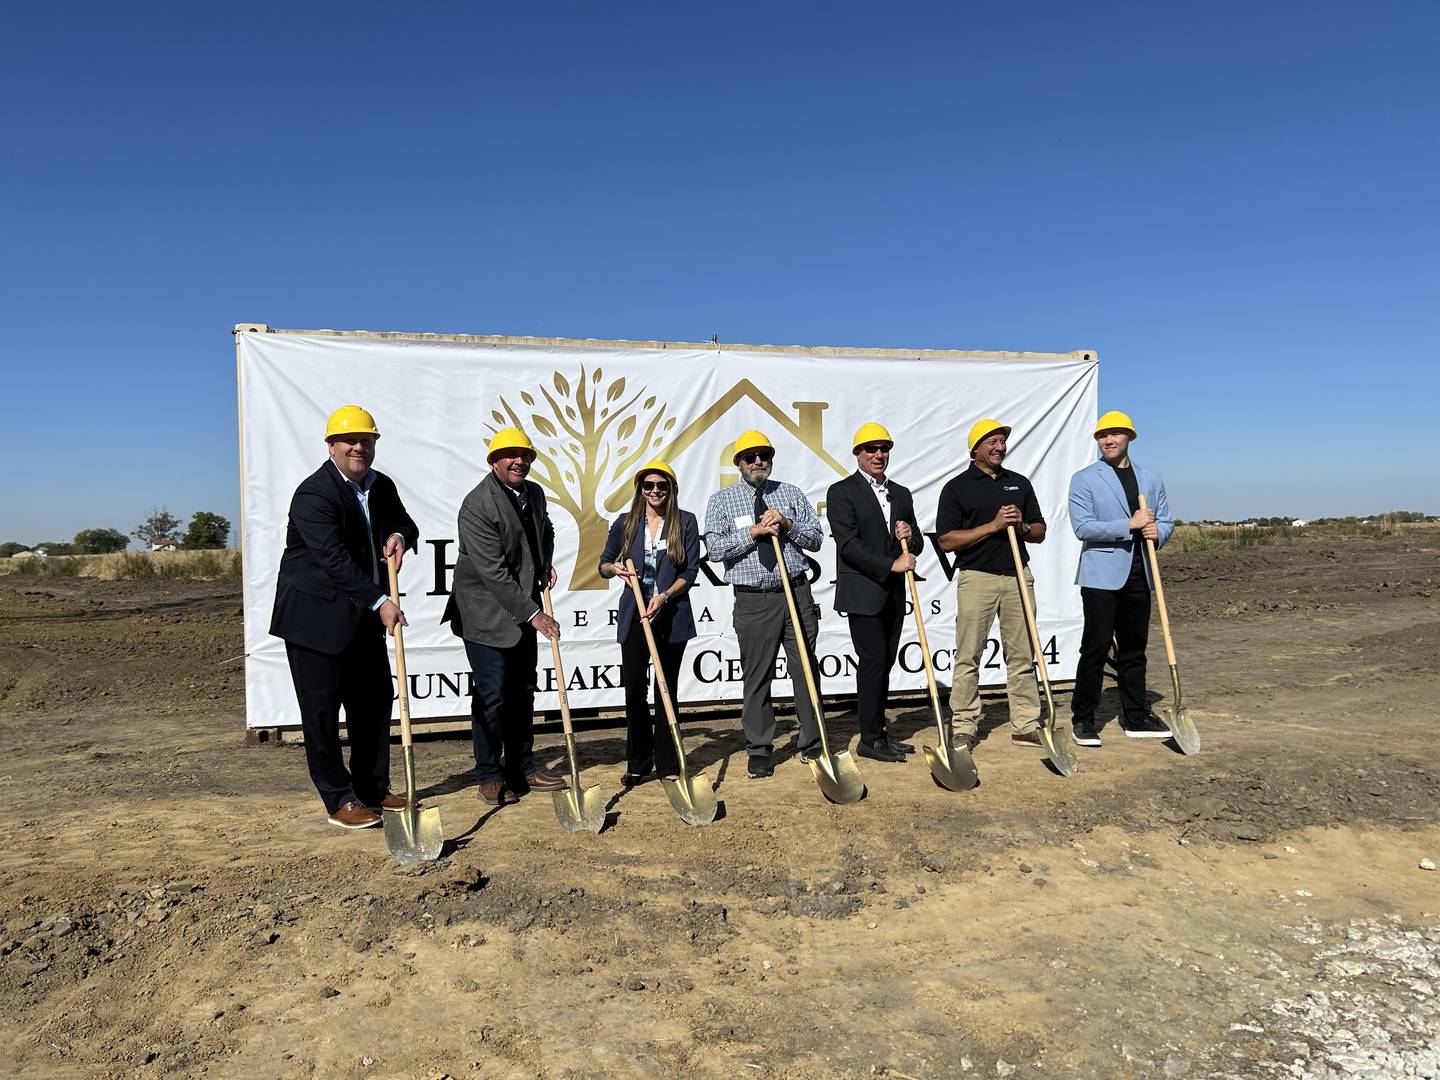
[391, 801]
[1027, 738]
[495, 793]
[539, 781]
[354, 816]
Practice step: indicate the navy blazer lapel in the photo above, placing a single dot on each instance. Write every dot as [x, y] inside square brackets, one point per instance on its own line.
[865, 496]
[350, 510]
[637, 549]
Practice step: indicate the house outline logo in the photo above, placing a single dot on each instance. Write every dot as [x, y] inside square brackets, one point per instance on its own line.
[596, 435]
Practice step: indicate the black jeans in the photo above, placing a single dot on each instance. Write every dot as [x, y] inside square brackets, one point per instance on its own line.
[877, 641]
[647, 737]
[1124, 616]
[359, 680]
[502, 709]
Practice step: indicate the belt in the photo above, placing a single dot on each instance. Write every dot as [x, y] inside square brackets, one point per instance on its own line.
[758, 589]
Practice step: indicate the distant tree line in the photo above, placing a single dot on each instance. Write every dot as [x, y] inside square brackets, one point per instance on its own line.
[205, 531]
[1397, 516]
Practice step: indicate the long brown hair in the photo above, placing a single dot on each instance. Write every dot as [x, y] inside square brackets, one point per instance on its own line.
[674, 527]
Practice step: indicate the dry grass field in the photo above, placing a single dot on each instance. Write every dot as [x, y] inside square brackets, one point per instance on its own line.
[172, 903]
[131, 565]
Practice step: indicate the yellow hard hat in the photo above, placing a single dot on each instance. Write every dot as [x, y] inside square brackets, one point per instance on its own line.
[983, 429]
[868, 433]
[510, 438]
[656, 466]
[350, 420]
[1115, 420]
[751, 440]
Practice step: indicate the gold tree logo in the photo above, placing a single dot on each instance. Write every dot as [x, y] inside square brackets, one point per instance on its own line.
[592, 440]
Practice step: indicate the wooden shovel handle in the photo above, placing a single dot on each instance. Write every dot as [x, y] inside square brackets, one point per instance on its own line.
[799, 630]
[920, 625]
[559, 667]
[1030, 624]
[403, 684]
[1154, 558]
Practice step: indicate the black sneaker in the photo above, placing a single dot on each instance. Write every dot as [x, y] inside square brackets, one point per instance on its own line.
[812, 754]
[1086, 733]
[880, 751]
[1148, 727]
[760, 767]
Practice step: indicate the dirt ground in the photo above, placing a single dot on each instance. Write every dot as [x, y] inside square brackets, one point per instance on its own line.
[174, 904]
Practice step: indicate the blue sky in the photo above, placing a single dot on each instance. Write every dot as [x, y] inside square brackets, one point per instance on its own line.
[1233, 203]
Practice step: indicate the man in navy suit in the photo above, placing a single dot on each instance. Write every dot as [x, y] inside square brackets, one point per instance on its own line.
[332, 606]
[869, 515]
[1114, 577]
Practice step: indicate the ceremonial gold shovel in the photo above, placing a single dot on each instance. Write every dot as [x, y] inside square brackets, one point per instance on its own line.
[412, 835]
[576, 808]
[837, 774]
[1182, 729]
[1059, 746]
[693, 797]
[952, 766]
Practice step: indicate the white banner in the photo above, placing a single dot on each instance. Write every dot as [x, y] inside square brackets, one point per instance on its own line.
[596, 414]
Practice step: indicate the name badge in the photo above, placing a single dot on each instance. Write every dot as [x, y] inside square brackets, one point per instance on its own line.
[744, 521]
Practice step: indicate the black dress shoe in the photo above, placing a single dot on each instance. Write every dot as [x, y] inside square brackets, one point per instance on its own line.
[903, 747]
[630, 779]
[880, 751]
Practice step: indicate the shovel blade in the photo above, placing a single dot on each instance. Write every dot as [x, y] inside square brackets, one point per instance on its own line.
[414, 835]
[952, 768]
[1182, 730]
[838, 777]
[580, 810]
[692, 797]
[1060, 749]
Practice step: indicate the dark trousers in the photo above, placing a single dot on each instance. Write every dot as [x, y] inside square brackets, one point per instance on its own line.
[1121, 615]
[647, 736]
[762, 625]
[357, 680]
[502, 709]
[877, 641]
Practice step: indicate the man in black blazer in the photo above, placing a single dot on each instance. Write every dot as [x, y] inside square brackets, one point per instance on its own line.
[332, 606]
[869, 515]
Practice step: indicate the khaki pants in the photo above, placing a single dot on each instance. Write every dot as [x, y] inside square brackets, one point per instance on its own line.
[978, 595]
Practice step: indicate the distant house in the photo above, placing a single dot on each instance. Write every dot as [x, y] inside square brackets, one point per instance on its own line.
[28, 555]
[164, 543]
[1248, 525]
[1299, 523]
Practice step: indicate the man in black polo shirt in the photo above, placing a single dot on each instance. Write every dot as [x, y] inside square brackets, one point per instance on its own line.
[975, 509]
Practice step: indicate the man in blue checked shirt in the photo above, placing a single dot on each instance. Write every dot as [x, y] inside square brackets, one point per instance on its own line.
[739, 522]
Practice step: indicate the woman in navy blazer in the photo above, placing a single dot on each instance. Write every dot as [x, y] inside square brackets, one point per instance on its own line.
[664, 543]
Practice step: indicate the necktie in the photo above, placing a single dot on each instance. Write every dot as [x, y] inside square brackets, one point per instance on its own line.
[522, 500]
[767, 548]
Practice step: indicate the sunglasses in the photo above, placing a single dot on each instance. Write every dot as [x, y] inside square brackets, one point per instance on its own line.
[654, 485]
[873, 448]
[757, 455]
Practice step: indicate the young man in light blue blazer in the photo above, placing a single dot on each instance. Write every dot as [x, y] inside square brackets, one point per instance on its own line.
[1114, 577]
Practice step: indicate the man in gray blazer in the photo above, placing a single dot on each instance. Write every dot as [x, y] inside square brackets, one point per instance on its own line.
[1114, 578]
[507, 545]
